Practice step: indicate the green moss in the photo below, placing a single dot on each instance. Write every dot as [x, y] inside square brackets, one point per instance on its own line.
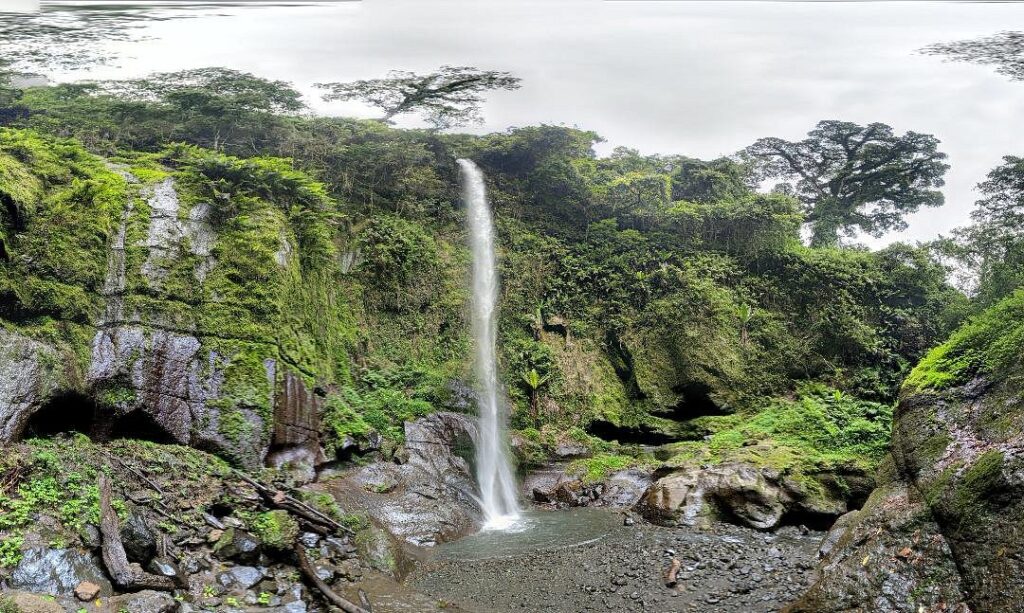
[988, 345]
[596, 468]
[978, 483]
[277, 529]
[821, 430]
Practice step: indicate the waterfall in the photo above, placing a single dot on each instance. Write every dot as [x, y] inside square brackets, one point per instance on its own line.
[493, 467]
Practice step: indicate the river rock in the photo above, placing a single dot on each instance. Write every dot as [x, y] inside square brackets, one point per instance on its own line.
[149, 601]
[243, 577]
[138, 538]
[238, 545]
[57, 572]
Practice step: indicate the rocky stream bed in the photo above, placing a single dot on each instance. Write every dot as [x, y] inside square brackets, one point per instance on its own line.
[723, 568]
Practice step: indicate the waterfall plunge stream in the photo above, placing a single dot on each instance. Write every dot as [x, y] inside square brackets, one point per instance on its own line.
[493, 467]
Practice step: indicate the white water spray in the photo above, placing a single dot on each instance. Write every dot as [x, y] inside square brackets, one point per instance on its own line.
[493, 468]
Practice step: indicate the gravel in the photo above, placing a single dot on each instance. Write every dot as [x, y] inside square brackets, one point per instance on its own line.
[723, 568]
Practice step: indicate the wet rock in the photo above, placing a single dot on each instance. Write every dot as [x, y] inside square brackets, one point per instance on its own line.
[691, 494]
[625, 488]
[379, 551]
[863, 571]
[238, 545]
[836, 533]
[243, 577]
[148, 600]
[309, 539]
[57, 571]
[30, 375]
[164, 566]
[427, 499]
[138, 538]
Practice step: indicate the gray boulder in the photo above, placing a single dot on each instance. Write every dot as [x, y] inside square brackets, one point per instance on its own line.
[430, 497]
[58, 572]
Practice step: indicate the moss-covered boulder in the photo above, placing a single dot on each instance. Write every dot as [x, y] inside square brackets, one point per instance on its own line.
[958, 450]
[803, 460]
[888, 556]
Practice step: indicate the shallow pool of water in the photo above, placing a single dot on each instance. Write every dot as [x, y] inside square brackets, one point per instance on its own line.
[537, 530]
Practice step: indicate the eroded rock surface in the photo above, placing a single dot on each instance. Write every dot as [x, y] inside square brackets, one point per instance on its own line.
[429, 497]
[31, 372]
[752, 496]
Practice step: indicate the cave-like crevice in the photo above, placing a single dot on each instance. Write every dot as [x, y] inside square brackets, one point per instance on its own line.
[139, 425]
[69, 412]
[627, 435]
[696, 402]
[809, 519]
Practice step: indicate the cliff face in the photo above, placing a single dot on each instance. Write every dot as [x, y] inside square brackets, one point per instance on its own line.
[945, 527]
[183, 296]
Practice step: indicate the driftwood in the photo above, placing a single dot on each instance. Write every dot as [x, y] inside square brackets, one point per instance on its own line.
[673, 570]
[129, 577]
[318, 583]
[282, 500]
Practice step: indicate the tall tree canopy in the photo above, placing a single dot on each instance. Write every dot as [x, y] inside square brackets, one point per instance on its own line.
[855, 178]
[993, 246]
[1005, 51]
[211, 89]
[450, 96]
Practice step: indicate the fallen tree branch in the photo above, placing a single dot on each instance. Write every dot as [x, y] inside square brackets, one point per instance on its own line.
[318, 583]
[293, 505]
[129, 577]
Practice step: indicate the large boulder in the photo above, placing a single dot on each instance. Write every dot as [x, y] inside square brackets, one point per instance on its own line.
[553, 485]
[945, 528]
[889, 556]
[428, 498]
[749, 495]
[58, 572]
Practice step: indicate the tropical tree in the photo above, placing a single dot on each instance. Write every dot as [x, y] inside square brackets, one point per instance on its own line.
[854, 178]
[993, 247]
[448, 97]
[214, 106]
[534, 381]
[1005, 51]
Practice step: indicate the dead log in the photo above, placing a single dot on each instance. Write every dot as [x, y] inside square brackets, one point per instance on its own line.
[318, 583]
[670, 574]
[281, 500]
[128, 577]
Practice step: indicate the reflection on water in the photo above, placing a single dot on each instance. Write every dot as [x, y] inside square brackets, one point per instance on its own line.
[535, 531]
[75, 35]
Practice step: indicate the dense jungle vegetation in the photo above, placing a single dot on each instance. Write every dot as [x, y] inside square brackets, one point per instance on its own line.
[645, 298]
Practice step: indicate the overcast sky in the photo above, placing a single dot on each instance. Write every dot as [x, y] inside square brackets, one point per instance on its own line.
[698, 78]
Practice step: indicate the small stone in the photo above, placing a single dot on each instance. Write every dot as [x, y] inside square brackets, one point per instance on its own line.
[214, 535]
[86, 591]
[309, 539]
